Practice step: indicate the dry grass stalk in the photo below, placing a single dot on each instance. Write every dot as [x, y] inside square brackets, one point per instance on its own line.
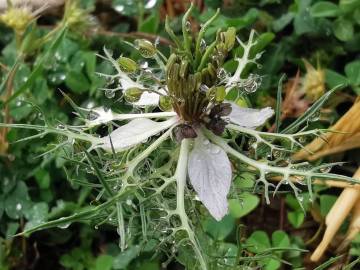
[332, 142]
[340, 210]
[354, 228]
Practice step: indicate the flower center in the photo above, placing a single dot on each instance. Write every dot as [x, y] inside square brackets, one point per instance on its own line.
[191, 94]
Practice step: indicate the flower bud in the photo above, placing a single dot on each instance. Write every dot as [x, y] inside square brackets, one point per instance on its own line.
[145, 47]
[133, 94]
[127, 65]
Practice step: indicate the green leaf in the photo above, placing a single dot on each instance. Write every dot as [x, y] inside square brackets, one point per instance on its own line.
[17, 202]
[326, 202]
[124, 258]
[280, 239]
[151, 24]
[343, 29]
[348, 5]
[148, 266]
[245, 180]
[352, 71]
[258, 242]
[324, 9]
[42, 178]
[304, 22]
[261, 42]
[11, 229]
[272, 264]
[243, 206]
[357, 15]
[104, 262]
[39, 67]
[36, 215]
[333, 79]
[77, 82]
[219, 230]
[243, 21]
[284, 20]
[296, 218]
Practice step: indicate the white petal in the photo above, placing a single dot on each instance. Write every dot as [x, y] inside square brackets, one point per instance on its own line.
[148, 99]
[210, 174]
[127, 83]
[248, 117]
[133, 133]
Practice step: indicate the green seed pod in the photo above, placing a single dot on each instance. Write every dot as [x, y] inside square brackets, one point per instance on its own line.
[127, 65]
[145, 47]
[165, 103]
[133, 94]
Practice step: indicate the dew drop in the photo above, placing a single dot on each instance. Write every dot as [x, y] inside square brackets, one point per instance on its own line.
[206, 142]
[221, 74]
[64, 226]
[150, 4]
[60, 126]
[202, 45]
[325, 169]
[315, 117]
[119, 8]
[188, 26]
[110, 93]
[18, 206]
[215, 149]
[92, 116]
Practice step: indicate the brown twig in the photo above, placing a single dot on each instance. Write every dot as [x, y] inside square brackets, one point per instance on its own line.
[6, 68]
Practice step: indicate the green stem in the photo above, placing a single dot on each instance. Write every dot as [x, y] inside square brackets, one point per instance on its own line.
[121, 226]
[141, 14]
[201, 35]
[180, 175]
[187, 38]
[172, 34]
[206, 55]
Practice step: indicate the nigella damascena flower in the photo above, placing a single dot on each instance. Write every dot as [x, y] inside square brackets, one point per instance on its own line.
[196, 99]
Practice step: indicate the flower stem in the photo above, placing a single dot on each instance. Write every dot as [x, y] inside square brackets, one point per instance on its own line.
[180, 175]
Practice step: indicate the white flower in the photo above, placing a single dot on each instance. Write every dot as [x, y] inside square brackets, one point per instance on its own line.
[209, 168]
